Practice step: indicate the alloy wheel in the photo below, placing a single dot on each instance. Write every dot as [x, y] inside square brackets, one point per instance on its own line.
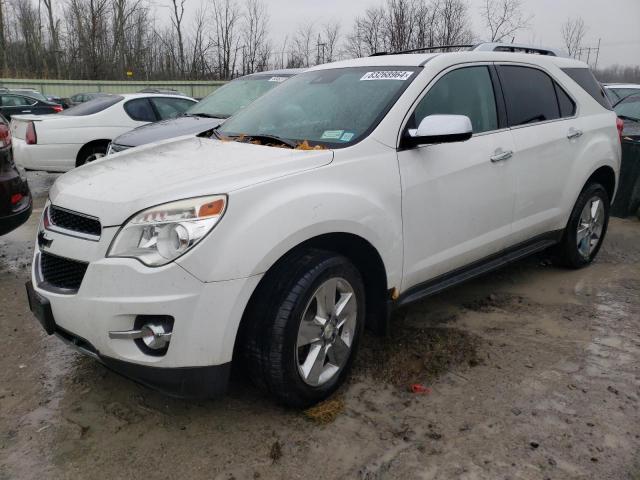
[326, 332]
[590, 226]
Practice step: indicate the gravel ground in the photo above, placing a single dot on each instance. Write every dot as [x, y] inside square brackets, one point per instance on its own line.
[533, 372]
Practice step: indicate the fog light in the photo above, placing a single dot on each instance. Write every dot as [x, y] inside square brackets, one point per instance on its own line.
[154, 336]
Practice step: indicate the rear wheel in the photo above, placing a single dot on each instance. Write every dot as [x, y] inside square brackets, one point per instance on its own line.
[305, 325]
[586, 228]
[91, 152]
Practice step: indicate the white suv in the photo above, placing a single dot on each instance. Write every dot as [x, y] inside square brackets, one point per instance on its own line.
[354, 188]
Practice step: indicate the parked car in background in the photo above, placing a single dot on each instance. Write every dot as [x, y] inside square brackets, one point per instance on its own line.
[15, 197]
[617, 91]
[79, 98]
[628, 110]
[12, 103]
[209, 112]
[82, 133]
[30, 92]
[63, 102]
[354, 188]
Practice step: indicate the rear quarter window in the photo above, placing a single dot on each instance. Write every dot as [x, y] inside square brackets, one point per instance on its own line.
[92, 106]
[584, 78]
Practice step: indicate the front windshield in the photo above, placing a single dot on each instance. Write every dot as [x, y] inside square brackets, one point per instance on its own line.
[629, 108]
[333, 108]
[233, 96]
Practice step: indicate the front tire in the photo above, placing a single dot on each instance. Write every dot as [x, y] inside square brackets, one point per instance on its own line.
[304, 327]
[586, 228]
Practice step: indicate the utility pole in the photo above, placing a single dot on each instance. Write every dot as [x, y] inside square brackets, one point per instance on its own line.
[597, 54]
[320, 53]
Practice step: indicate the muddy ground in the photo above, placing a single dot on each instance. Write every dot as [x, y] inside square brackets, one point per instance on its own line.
[533, 373]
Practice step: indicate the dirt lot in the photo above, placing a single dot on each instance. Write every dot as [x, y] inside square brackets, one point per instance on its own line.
[534, 373]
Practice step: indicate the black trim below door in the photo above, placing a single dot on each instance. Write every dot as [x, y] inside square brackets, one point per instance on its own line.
[480, 267]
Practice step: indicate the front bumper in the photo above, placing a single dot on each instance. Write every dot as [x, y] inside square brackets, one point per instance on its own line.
[114, 291]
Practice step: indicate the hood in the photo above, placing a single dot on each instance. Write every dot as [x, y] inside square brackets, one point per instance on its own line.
[165, 129]
[116, 187]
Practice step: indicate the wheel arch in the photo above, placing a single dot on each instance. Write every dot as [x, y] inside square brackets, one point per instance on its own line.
[88, 145]
[361, 253]
[605, 175]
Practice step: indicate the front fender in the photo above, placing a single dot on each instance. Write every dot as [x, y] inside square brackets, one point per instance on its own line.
[265, 221]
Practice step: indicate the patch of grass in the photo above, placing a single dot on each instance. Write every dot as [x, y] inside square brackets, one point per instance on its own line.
[325, 412]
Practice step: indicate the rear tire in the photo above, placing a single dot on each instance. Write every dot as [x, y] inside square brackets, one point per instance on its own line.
[586, 228]
[91, 152]
[294, 347]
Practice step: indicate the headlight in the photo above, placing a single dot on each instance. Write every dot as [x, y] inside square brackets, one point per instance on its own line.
[161, 234]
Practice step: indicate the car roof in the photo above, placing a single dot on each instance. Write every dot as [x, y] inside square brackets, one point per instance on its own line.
[420, 59]
[129, 96]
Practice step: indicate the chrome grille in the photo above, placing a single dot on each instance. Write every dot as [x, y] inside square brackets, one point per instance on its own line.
[73, 221]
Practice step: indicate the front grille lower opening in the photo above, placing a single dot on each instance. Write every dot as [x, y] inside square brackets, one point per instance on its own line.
[62, 273]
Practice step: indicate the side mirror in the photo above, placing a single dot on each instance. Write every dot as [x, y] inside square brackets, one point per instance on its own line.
[440, 129]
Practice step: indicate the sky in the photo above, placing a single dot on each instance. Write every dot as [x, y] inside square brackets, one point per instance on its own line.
[615, 22]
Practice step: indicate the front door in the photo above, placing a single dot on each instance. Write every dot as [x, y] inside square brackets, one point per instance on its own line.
[458, 198]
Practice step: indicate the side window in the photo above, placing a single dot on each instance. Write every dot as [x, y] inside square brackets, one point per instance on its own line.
[566, 104]
[140, 110]
[584, 78]
[170, 107]
[465, 91]
[529, 94]
[15, 101]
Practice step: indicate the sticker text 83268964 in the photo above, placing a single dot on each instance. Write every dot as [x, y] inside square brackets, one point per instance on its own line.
[387, 75]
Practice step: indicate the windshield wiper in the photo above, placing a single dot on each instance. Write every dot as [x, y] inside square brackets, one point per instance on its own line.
[208, 115]
[284, 141]
[624, 117]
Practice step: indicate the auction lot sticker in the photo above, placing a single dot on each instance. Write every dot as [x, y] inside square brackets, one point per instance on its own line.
[387, 75]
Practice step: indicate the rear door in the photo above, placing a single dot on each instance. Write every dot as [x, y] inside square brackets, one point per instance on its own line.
[140, 111]
[546, 136]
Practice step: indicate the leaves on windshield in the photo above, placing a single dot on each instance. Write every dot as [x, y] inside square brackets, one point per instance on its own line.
[305, 146]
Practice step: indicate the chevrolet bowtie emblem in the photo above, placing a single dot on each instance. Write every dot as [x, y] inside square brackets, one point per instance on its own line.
[43, 240]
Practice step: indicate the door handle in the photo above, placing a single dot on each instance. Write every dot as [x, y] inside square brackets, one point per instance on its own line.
[26, 111]
[574, 133]
[501, 156]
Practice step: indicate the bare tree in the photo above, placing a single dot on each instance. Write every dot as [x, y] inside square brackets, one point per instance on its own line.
[504, 18]
[254, 35]
[367, 36]
[3, 42]
[331, 34]
[226, 17]
[452, 23]
[302, 46]
[573, 32]
[176, 21]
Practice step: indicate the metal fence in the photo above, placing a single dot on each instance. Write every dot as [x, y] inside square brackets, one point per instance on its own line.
[66, 88]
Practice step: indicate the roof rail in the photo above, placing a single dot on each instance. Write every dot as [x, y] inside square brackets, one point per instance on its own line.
[516, 48]
[483, 47]
[424, 49]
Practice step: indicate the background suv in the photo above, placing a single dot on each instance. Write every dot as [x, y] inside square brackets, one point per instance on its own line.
[354, 188]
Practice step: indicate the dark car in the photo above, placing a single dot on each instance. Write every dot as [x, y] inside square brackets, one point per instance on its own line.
[208, 113]
[15, 198]
[63, 102]
[628, 110]
[14, 103]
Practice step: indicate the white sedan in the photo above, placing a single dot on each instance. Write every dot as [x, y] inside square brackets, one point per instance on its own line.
[81, 134]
